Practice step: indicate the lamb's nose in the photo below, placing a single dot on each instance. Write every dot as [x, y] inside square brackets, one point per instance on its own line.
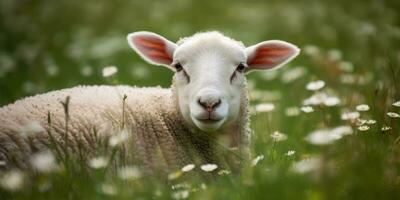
[210, 104]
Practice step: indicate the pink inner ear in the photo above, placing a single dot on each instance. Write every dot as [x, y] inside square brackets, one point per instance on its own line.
[270, 55]
[153, 48]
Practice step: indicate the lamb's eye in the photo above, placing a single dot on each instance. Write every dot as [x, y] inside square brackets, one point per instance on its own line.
[241, 67]
[178, 67]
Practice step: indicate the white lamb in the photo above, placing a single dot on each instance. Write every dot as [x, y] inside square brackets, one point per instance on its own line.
[166, 127]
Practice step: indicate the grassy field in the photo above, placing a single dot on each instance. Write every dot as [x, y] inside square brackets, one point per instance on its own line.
[332, 130]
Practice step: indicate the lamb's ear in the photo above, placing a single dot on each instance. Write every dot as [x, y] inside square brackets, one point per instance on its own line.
[153, 48]
[270, 54]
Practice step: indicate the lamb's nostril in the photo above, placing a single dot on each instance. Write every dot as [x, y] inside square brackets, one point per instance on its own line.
[202, 104]
[216, 104]
[209, 105]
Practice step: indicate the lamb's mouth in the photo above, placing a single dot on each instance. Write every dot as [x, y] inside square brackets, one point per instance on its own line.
[209, 120]
[208, 124]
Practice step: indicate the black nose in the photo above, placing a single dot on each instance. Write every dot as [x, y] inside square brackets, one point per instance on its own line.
[209, 105]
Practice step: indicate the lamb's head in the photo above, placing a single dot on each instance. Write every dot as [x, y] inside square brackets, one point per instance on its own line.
[210, 71]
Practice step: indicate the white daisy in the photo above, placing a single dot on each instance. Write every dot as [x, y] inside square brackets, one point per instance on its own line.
[307, 109]
[386, 128]
[362, 107]
[397, 104]
[328, 136]
[109, 71]
[44, 162]
[98, 162]
[350, 115]
[183, 194]
[188, 168]
[331, 101]
[208, 167]
[12, 180]
[290, 153]
[307, 165]
[393, 114]
[342, 131]
[321, 137]
[363, 128]
[265, 107]
[315, 99]
[315, 85]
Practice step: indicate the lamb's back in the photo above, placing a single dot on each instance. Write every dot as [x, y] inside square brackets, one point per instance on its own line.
[92, 103]
[25, 124]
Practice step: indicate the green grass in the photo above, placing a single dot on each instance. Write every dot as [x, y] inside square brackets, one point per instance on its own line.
[351, 45]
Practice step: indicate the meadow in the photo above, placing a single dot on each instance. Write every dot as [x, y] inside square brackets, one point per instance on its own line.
[324, 126]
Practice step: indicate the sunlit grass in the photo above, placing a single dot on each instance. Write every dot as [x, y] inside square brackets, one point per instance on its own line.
[341, 148]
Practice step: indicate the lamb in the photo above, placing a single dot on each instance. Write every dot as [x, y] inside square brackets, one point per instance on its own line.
[205, 109]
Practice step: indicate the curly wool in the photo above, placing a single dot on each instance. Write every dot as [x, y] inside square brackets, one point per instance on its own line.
[158, 135]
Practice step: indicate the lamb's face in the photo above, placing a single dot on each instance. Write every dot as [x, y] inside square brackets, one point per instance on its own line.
[209, 80]
[209, 72]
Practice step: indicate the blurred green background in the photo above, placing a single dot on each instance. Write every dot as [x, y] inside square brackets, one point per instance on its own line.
[47, 45]
[352, 45]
